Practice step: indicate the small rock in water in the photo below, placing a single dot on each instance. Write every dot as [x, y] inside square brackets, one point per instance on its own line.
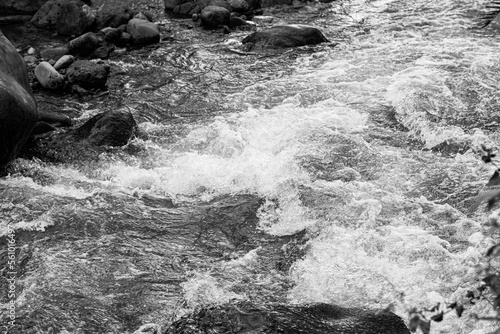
[48, 77]
[87, 74]
[114, 128]
[214, 16]
[143, 32]
[285, 36]
[64, 62]
[84, 45]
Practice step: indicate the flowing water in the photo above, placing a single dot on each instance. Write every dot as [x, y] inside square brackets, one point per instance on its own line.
[371, 145]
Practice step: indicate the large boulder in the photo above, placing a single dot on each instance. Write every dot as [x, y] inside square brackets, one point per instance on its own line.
[20, 6]
[114, 128]
[87, 74]
[18, 112]
[215, 16]
[285, 36]
[143, 32]
[112, 15]
[245, 317]
[69, 17]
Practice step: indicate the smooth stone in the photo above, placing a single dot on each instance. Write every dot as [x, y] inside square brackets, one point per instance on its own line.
[48, 77]
[64, 62]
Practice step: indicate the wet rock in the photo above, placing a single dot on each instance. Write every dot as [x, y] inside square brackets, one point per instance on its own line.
[75, 19]
[143, 32]
[111, 34]
[184, 9]
[171, 4]
[278, 318]
[285, 36]
[20, 6]
[87, 74]
[18, 112]
[235, 21]
[214, 16]
[114, 128]
[84, 45]
[30, 59]
[102, 52]
[48, 77]
[64, 62]
[54, 53]
[69, 17]
[112, 15]
[238, 6]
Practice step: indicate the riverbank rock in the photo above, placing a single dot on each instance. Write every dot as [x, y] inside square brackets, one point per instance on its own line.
[87, 74]
[68, 17]
[18, 112]
[54, 53]
[143, 32]
[64, 62]
[112, 15]
[214, 16]
[317, 318]
[285, 36]
[48, 77]
[84, 44]
[20, 6]
[114, 128]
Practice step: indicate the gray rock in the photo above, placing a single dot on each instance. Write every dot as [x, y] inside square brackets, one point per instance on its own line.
[238, 6]
[29, 59]
[111, 34]
[18, 112]
[285, 36]
[87, 74]
[114, 128]
[214, 16]
[69, 17]
[54, 53]
[171, 4]
[143, 32]
[75, 19]
[84, 45]
[64, 62]
[184, 9]
[48, 77]
[20, 6]
[112, 15]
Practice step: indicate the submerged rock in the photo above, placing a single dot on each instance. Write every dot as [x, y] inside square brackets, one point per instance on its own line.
[320, 318]
[18, 112]
[87, 74]
[285, 36]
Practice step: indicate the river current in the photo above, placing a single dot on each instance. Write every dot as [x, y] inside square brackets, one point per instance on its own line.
[370, 144]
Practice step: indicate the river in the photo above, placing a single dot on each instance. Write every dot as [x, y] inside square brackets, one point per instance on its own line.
[341, 173]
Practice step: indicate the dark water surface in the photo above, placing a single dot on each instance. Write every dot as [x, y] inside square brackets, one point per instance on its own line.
[340, 173]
